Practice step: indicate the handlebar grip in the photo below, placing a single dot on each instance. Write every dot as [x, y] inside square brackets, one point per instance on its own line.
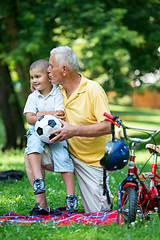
[108, 115]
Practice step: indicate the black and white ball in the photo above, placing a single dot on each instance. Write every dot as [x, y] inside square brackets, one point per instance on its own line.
[45, 125]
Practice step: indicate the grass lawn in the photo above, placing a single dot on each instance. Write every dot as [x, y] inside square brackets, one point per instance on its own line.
[17, 196]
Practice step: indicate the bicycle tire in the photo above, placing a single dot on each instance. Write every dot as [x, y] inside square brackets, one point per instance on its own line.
[158, 205]
[128, 208]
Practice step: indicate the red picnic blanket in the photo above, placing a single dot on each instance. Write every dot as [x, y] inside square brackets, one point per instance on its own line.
[96, 218]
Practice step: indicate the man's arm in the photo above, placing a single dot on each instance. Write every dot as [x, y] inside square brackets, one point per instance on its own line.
[69, 131]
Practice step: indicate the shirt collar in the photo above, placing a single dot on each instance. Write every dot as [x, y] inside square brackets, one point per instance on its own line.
[80, 89]
[52, 92]
[82, 85]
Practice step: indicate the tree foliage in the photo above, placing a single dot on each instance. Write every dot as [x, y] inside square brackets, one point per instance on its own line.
[112, 39]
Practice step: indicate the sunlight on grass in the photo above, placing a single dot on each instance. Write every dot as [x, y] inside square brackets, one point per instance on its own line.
[13, 159]
[146, 118]
[140, 118]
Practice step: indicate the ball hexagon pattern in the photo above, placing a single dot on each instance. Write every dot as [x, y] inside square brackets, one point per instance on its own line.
[45, 125]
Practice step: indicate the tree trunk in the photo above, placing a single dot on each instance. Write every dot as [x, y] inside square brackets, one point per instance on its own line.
[11, 112]
[11, 29]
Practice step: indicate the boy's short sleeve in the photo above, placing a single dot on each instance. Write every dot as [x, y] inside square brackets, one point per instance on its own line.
[30, 105]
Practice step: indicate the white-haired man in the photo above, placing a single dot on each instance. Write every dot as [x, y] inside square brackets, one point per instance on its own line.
[84, 128]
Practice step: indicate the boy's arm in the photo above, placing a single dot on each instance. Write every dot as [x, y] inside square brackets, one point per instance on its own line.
[32, 117]
[59, 114]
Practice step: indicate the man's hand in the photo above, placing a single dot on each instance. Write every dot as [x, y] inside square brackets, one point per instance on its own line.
[64, 133]
[93, 130]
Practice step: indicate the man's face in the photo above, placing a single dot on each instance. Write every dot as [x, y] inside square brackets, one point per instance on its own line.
[55, 72]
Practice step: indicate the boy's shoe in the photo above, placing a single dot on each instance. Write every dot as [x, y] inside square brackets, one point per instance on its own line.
[38, 186]
[71, 204]
[37, 210]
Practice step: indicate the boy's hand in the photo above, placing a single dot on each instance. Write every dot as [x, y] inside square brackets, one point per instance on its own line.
[60, 115]
[32, 88]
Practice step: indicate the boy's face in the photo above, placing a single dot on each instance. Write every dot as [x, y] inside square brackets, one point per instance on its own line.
[40, 80]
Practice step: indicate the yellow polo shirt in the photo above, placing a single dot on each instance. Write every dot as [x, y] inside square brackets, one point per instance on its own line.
[84, 107]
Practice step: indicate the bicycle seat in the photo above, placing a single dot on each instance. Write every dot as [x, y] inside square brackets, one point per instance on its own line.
[153, 148]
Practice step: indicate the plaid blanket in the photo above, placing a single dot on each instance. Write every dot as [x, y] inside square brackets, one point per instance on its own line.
[62, 218]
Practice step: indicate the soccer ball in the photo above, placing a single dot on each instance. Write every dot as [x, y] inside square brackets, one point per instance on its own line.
[45, 125]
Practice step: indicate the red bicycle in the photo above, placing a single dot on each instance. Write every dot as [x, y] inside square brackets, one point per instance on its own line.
[139, 192]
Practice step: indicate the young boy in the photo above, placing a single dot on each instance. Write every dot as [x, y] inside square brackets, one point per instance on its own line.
[44, 100]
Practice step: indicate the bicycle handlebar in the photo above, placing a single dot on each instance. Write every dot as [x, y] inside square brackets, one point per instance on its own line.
[113, 119]
[116, 121]
[109, 115]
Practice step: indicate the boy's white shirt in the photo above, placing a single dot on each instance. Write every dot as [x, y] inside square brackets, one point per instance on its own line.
[36, 102]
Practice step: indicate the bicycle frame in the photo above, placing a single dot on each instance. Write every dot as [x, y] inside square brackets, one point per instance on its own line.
[149, 192]
[147, 196]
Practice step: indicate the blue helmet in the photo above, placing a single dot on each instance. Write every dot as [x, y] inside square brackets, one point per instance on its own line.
[116, 155]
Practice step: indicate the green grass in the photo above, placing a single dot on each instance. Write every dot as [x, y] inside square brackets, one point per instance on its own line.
[139, 117]
[17, 196]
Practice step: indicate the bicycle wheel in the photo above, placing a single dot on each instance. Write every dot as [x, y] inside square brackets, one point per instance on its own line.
[158, 205]
[128, 208]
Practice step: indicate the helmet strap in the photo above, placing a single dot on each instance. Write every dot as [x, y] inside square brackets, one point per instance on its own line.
[113, 132]
[105, 189]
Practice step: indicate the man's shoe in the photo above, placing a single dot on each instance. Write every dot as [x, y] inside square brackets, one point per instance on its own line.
[37, 210]
[71, 204]
[38, 186]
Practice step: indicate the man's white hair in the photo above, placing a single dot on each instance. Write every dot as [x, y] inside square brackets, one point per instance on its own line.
[64, 55]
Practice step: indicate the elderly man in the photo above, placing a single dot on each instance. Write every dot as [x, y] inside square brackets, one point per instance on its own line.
[84, 128]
